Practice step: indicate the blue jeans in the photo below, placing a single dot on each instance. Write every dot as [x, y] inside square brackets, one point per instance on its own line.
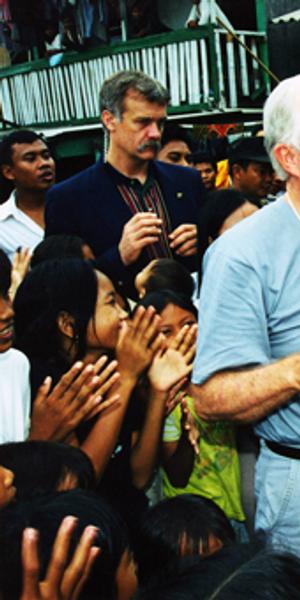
[277, 490]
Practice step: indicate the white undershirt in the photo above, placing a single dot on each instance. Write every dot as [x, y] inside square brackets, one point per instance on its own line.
[14, 396]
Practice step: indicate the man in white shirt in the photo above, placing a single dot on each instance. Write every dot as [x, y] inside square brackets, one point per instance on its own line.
[26, 161]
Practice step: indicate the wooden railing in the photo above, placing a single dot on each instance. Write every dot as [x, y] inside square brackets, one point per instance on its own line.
[203, 69]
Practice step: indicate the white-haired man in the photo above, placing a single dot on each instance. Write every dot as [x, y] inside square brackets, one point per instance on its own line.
[247, 367]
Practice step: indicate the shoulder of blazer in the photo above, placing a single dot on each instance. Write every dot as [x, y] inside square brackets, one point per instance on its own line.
[93, 175]
[175, 173]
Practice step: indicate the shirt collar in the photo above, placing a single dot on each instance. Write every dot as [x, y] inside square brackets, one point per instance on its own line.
[121, 179]
[9, 208]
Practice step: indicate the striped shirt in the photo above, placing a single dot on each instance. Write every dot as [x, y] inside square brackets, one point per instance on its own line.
[146, 197]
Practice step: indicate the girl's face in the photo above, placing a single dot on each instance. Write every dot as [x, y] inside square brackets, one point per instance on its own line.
[173, 318]
[104, 328]
[7, 489]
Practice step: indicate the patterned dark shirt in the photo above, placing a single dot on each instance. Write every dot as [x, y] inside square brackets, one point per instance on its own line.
[146, 197]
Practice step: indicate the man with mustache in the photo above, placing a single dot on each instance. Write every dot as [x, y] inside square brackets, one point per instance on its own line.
[26, 162]
[130, 209]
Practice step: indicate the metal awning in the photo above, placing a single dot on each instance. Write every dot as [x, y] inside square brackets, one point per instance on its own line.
[286, 17]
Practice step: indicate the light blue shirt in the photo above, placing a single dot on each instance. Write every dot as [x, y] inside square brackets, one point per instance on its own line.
[249, 310]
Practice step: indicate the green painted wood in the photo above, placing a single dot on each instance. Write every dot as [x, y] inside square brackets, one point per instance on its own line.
[261, 21]
[78, 143]
[213, 64]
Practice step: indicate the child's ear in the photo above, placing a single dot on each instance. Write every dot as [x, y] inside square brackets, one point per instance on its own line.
[65, 323]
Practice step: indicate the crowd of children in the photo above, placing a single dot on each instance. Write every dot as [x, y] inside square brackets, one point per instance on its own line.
[95, 405]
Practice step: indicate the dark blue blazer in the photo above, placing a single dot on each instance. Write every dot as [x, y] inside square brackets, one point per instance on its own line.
[89, 205]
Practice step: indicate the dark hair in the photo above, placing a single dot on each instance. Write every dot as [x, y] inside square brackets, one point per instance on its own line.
[115, 88]
[218, 206]
[160, 299]
[57, 246]
[50, 288]
[243, 163]
[256, 129]
[202, 157]
[5, 274]
[165, 526]
[173, 132]
[22, 136]
[195, 578]
[46, 514]
[40, 466]
[270, 575]
[167, 273]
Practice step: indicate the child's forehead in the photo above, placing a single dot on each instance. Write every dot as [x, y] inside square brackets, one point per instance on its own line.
[173, 312]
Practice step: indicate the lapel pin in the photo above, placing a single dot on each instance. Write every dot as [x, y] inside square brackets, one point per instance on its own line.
[179, 195]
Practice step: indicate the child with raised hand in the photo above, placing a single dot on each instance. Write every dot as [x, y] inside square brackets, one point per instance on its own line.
[71, 531]
[198, 457]
[75, 397]
[67, 311]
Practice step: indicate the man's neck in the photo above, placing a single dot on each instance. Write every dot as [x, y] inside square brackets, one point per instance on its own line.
[128, 166]
[293, 192]
[32, 205]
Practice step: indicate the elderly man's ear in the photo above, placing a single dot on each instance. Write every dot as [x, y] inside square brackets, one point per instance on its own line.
[289, 158]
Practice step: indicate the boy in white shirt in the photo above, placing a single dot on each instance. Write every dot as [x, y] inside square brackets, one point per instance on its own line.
[14, 369]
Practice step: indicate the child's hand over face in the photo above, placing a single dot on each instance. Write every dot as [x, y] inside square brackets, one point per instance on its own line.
[168, 369]
[185, 342]
[138, 342]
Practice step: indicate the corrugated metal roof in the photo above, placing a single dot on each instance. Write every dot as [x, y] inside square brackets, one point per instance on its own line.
[290, 16]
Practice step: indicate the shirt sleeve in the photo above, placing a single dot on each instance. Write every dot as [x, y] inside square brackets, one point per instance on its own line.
[172, 426]
[233, 331]
[26, 398]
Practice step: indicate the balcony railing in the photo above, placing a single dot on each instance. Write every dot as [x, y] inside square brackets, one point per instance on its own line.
[204, 69]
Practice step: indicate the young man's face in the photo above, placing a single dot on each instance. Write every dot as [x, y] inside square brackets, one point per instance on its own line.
[32, 167]
[208, 174]
[138, 133]
[175, 152]
[255, 179]
[6, 323]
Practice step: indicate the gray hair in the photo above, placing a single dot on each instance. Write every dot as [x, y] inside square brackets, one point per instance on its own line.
[115, 88]
[282, 120]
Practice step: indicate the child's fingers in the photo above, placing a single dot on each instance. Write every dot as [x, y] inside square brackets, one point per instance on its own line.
[99, 405]
[76, 572]
[187, 341]
[94, 552]
[158, 345]
[106, 385]
[59, 555]
[43, 391]
[177, 341]
[30, 563]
